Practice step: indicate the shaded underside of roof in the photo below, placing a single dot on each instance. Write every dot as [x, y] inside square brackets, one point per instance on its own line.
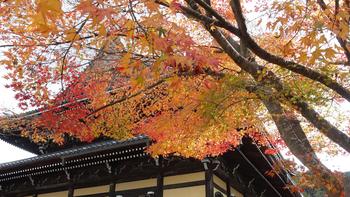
[250, 159]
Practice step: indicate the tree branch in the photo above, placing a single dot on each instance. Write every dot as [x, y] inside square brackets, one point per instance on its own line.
[124, 98]
[292, 66]
[193, 13]
[270, 79]
[69, 47]
[210, 10]
[252, 45]
[46, 44]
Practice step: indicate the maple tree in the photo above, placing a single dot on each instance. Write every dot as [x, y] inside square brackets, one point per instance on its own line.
[194, 75]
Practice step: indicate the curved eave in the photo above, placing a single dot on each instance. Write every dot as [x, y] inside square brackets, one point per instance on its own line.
[20, 142]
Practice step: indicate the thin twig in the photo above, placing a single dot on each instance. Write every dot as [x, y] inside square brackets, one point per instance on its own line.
[67, 51]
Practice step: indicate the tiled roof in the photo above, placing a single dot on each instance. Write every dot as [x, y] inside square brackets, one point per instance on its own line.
[78, 151]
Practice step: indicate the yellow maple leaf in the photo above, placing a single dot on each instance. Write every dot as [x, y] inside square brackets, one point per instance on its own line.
[102, 30]
[71, 35]
[40, 24]
[50, 7]
[44, 18]
[330, 53]
[303, 57]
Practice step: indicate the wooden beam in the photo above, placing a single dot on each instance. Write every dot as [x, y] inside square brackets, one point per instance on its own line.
[136, 192]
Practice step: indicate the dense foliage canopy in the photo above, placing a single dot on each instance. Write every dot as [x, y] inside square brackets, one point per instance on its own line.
[194, 75]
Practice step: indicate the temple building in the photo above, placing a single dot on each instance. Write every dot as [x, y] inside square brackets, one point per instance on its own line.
[124, 169]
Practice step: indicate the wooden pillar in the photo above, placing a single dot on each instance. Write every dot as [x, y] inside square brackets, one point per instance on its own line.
[228, 188]
[70, 182]
[160, 178]
[112, 184]
[209, 185]
[33, 183]
[160, 184]
[111, 192]
[70, 190]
